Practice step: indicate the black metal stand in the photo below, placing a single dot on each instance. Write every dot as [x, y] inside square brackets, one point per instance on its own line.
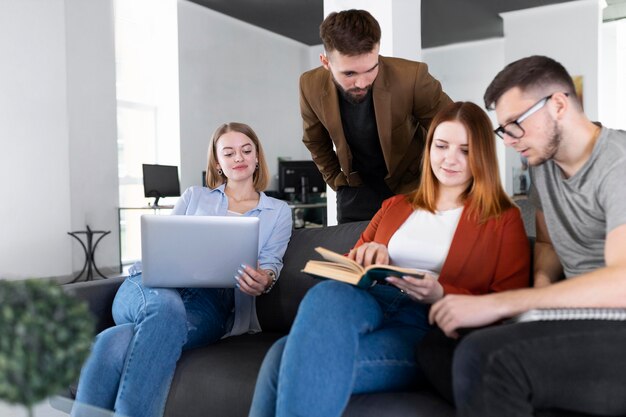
[90, 250]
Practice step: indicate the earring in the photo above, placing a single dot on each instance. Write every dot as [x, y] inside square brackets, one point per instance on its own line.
[257, 165]
[220, 172]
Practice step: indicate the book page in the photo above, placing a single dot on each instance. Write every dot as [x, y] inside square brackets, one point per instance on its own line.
[354, 266]
[329, 255]
[332, 270]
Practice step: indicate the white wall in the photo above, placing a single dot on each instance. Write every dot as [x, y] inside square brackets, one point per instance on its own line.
[232, 71]
[53, 162]
[91, 108]
[34, 162]
[612, 94]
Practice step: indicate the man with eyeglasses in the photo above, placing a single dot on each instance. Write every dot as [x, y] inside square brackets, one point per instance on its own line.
[578, 172]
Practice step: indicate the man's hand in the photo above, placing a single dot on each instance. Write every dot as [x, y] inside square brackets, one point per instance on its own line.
[454, 312]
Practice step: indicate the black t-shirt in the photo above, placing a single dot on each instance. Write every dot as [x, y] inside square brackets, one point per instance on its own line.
[360, 130]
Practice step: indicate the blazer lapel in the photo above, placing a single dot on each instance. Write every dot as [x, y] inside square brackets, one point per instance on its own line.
[382, 108]
[393, 219]
[332, 119]
[465, 236]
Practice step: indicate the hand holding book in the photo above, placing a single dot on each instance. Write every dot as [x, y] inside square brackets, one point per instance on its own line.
[427, 290]
[341, 268]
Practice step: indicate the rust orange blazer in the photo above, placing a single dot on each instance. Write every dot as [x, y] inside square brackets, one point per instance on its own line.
[488, 257]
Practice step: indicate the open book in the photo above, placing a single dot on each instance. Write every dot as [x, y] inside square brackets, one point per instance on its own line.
[341, 268]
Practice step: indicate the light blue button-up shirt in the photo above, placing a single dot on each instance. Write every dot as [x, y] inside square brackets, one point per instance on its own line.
[274, 232]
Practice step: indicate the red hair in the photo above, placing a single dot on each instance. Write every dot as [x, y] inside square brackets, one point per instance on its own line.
[484, 196]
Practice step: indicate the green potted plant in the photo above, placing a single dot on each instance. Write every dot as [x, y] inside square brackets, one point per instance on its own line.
[45, 336]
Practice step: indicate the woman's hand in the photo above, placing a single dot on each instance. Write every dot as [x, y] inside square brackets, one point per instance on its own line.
[425, 290]
[252, 281]
[370, 253]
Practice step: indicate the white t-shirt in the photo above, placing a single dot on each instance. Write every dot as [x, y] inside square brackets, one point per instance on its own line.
[424, 239]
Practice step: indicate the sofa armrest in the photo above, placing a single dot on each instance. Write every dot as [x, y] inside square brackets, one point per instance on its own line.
[99, 296]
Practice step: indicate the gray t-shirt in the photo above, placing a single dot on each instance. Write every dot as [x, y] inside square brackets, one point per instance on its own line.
[581, 210]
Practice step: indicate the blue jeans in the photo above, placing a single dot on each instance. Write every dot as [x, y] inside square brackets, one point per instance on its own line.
[344, 341]
[132, 364]
[527, 369]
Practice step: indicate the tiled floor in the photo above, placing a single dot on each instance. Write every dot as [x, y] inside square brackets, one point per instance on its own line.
[42, 410]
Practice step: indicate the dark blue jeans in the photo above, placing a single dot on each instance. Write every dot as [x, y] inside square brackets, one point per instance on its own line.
[514, 370]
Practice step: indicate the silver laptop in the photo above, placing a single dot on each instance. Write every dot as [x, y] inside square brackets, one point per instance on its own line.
[196, 251]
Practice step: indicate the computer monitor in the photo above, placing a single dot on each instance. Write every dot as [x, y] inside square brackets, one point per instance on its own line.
[160, 181]
[298, 179]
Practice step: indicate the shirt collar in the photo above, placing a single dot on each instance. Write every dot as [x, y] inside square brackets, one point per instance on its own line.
[265, 203]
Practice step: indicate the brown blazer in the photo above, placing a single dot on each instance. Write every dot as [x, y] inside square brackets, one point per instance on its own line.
[483, 258]
[406, 97]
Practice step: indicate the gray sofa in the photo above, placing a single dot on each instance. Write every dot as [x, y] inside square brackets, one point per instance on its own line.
[218, 380]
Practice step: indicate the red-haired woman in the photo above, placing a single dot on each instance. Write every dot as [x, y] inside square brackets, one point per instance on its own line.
[459, 224]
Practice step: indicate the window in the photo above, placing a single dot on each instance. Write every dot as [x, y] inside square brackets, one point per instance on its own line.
[146, 51]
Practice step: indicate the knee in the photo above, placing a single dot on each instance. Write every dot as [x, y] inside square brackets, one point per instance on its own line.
[165, 304]
[332, 294]
[164, 315]
[111, 346]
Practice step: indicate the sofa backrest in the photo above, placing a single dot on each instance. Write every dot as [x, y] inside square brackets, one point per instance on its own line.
[277, 309]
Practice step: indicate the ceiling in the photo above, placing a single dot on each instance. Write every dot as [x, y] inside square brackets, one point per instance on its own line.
[443, 21]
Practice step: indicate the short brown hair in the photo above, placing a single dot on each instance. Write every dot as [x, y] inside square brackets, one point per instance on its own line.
[214, 179]
[350, 32]
[531, 73]
[486, 196]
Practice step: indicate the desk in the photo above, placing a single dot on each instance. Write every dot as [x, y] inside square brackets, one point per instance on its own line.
[128, 219]
[298, 208]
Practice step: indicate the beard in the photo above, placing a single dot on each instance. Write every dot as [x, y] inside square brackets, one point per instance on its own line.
[351, 95]
[551, 147]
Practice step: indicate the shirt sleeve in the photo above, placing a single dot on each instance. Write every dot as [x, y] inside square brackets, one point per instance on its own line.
[611, 195]
[429, 97]
[180, 208]
[271, 254]
[319, 143]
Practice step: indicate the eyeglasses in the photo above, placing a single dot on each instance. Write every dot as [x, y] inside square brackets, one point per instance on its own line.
[514, 129]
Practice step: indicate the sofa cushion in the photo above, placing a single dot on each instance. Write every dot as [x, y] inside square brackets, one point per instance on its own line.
[423, 403]
[218, 379]
[277, 310]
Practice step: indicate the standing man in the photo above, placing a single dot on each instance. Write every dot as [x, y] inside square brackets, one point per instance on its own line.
[374, 110]
[578, 170]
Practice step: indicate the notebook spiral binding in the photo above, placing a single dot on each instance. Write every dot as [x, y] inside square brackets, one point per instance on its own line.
[554, 314]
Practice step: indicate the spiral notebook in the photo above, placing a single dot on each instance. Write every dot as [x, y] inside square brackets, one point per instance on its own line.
[552, 314]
